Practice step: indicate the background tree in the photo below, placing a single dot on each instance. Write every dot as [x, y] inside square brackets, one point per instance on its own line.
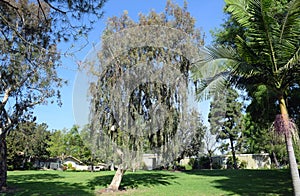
[192, 140]
[27, 144]
[225, 120]
[56, 143]
[267, 53]
[210, 145]
[74, 145]
[139, 99]
[68, 143]
[29, 57]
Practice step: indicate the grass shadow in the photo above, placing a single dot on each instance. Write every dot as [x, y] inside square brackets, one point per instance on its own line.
[43, 184]
[135, 180]
[250, 182]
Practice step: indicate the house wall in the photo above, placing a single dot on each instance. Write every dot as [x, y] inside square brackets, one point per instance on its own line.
[70, 162]
[254, 161]
[82, 167]
[151, 161]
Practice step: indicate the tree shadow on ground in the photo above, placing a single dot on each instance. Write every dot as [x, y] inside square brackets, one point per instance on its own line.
[250, 182]
[135, 180]
[41, 184]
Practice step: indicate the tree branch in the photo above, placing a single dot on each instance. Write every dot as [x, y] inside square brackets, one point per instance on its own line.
[40, 5]
[55, 8]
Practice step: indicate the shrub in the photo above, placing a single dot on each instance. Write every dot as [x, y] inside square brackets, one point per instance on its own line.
[243, 165]
[70, 165]
[229, 162]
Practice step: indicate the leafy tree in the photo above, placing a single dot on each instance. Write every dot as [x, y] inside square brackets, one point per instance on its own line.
[29, 56]
[192, 144]
[225, 120]
[267, 53]
[139, 101]
[56, 143]
[74, 145]
[258, 138]
[27, 143]
[69, 143]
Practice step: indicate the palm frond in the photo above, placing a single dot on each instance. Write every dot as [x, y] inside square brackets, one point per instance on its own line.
[294, 61]
[288, 26]
[287, 47]
[209, 79]
[239, 9]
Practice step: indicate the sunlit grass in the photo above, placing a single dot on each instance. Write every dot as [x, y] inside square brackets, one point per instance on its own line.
[202, 182]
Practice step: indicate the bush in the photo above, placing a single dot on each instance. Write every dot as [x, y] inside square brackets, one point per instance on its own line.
[186, 167]
[240, 164]
[243, 165]
[64, 167]
[28, 165]
[230, 163]
[203, 163]
[70, 165]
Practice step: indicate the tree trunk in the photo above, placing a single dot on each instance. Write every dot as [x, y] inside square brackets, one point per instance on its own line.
[116, 181]
[233, 153]
[290, 150]
[210, 163]
[3, 163]
[112, 167]
[275, 159]
[210, 160]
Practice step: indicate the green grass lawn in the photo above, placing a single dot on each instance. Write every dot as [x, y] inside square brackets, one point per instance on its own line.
[202, 182]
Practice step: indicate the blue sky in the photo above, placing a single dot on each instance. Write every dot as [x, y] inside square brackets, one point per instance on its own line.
[208, 14]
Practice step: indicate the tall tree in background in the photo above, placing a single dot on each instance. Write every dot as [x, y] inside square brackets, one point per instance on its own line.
[225, 120]
[139, 102]
[68, 143]
[29, 33]
[57, 143]
[192, 140]
[268, 55]
[27, 144]
[210, 145]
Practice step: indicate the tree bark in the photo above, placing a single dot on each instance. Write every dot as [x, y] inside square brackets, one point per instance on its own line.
[275, 159]
[210, 159]
[290, 150]
[3, 163]
[233, 153]
[116, 181]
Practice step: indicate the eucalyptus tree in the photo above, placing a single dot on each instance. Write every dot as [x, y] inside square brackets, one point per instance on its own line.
[29, 34]
[266, 54]
[139, 100]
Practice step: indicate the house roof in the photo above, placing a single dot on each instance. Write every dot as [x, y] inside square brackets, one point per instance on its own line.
[73, 158]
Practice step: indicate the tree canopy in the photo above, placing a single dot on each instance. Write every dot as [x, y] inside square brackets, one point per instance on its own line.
[139, 101]
[29, 34]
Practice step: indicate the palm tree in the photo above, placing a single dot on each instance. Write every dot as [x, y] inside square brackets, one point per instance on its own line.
[266, 54]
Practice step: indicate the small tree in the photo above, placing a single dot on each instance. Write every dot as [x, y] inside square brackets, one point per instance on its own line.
[210, 145]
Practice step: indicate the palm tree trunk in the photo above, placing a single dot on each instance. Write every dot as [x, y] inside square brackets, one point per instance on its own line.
[3, 163]
[290, 150]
